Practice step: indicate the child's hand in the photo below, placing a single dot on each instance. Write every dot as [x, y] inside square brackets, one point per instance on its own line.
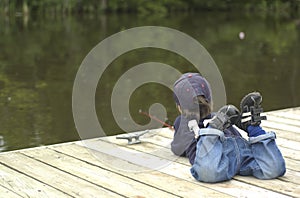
[193, 126]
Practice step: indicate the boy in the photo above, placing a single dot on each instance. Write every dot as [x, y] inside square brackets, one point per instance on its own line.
[217, 151]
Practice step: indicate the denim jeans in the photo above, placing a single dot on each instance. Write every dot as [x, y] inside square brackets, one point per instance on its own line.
[219, 158]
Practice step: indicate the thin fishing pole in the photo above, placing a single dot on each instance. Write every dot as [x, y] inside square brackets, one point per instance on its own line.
[156, 119]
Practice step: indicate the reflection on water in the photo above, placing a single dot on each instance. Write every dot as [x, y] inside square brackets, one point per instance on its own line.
[40, 56]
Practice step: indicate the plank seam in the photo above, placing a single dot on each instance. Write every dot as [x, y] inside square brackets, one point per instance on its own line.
[273, 189]
[14, 169]
[282, 116]
[72, 174]
[249, 183]
[186, 164]
[120, 174]
[284, 180]
[11, 191]
[195, 182]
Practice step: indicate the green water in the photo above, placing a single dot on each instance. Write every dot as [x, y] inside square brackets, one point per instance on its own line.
[40, 56]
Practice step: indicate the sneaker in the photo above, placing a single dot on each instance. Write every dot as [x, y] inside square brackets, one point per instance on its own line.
[251, 110]
[227, 116]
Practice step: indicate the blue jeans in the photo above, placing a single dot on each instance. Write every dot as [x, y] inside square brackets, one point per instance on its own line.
[219, 158]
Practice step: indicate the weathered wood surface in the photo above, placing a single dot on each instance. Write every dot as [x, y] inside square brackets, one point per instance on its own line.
[109, 167]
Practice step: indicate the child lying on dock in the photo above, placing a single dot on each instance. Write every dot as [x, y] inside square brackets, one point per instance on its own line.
[215, 148]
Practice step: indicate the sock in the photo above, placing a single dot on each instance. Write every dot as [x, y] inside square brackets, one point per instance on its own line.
[254, 131]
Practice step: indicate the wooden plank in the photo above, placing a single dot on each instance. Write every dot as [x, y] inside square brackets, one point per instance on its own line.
[164, 132]
[286, 143]
[165, 151]
[292, 164]
[276, 183]
[280, 119]
[281, 126]
[7, 193]
[286, 114]
[153, 144]
[297, 112]
[147, 169]
[290, 153]
[26, 186]
[181, 171]
[284, 134]
[121, 184]
[286, 110]
[67, 183]
[284, 138]
[291, 176]
[156, 179]
[158, 140]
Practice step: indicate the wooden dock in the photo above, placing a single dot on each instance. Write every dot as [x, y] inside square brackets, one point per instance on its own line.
[112, 168]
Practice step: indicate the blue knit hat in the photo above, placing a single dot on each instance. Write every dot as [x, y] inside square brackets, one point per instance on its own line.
[188, 87]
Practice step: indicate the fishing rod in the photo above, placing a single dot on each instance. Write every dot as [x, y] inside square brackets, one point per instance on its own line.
[156, 119]
[134, 138]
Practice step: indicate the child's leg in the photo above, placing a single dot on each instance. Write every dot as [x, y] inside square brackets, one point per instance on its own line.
[267, 162]
[216, 157]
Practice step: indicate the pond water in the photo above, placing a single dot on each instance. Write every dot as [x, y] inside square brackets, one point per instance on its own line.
[40, 56]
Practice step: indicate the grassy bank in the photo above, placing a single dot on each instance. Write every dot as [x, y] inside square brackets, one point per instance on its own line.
[143, 6]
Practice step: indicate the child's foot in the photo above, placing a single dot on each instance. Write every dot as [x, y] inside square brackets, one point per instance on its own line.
[225, 117]
[250, 111]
